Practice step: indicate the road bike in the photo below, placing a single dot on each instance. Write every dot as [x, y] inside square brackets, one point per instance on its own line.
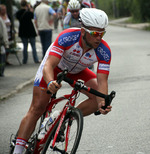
[64, 134]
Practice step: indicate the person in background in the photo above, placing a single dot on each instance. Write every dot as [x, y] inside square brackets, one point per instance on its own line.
[60, 14]
[86, 4]
[37, 3]
[27, 31]
[55, 5]
[7, 21]
[3, 44]
[72, 17]
[44, 20]
[64, 8]
[92, 4]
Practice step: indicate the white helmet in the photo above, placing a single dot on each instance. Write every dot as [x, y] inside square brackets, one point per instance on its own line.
[92, 17]
[73, 5]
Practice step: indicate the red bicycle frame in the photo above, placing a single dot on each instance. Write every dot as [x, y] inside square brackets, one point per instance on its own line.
[71, 102]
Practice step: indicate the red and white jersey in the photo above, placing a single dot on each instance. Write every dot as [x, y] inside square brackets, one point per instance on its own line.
[68, 48]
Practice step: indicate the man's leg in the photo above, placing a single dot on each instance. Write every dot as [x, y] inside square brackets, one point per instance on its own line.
[48, 39]
[39, 103]
[90, 105]
[34, 52]
[25, 47]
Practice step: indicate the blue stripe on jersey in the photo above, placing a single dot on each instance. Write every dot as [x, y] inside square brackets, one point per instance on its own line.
[103, 52]
[69, 38]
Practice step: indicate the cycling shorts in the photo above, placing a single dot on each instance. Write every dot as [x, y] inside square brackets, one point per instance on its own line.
[84, 75]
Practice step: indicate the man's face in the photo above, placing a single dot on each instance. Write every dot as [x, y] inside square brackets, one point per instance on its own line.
[92, 36]
[3, 10]
[75, 13]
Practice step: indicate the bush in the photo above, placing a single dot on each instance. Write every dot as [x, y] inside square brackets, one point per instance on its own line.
[115, 8]
[138, 9]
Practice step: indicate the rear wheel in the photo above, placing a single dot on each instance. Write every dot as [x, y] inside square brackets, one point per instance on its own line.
[74, 119]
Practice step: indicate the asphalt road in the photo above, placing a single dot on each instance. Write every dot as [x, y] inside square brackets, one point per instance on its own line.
[126, 129]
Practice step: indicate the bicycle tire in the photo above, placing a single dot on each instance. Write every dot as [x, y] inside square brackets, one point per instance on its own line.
[77, 126]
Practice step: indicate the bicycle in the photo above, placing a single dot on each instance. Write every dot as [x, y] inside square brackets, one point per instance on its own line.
[65, 132]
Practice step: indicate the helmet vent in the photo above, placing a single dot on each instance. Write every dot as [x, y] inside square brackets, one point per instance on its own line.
[96, 21]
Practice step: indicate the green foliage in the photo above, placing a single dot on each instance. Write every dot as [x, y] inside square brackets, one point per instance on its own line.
[138, 9]
[106, 6]
[115, 8]
[123, 7]
[141, 10]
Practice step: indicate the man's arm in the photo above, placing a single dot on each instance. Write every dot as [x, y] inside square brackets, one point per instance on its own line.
[66, 21]
[48, 73]
[4, 34]
[102, 80]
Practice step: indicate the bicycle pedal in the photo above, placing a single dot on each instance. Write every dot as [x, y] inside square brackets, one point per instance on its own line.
[12, 143]
[60, 138]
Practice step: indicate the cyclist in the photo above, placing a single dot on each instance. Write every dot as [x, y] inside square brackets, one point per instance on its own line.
[74, 49]
[72, 17]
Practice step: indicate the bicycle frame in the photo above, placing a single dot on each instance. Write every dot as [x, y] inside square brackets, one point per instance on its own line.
[71, 102]
[36, 146]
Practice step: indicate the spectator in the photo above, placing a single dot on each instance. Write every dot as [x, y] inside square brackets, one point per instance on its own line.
[60, 14]
[65, 5]
[44, 19]
[86, 4]
[7, 21]
[37, 3]
[3, 45]
[27, 31]
[92, 4]
[55, 5]
[72, 17]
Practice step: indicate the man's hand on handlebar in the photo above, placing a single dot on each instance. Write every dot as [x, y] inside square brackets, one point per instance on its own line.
[53, 87]
[106, 110]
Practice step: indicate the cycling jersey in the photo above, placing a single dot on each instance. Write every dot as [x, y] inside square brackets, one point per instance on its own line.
[68, 48]
[70, 21]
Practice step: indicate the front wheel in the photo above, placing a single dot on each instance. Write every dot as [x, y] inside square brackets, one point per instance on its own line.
[74, 120]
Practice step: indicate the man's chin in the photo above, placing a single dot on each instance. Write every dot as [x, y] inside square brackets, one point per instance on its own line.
[95, 45]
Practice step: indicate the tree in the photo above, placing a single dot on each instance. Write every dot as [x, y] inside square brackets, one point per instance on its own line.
[140, 10]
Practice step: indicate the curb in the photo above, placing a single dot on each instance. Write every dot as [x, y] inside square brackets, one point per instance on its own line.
[23, 85]
[141, 26]
[18, 88]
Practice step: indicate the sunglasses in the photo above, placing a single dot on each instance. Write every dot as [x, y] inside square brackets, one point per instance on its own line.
[74, 11]
[95, 33]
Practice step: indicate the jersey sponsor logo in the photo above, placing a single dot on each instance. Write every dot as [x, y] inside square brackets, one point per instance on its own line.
[88, 56]
[57, 50]
[75, 53]
[68, 39]
[104, 55]
[84, 64]
[105, 67]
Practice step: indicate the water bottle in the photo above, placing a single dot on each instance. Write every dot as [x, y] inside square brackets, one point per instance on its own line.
[46, 124]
